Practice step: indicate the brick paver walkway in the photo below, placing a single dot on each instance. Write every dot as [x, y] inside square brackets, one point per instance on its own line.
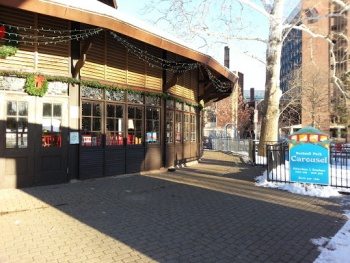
[208, 212]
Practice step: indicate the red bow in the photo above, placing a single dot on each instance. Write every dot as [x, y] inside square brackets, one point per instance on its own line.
[38, 80]
[2, 31]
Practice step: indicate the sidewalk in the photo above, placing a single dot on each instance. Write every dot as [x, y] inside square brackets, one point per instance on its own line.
[208, 212]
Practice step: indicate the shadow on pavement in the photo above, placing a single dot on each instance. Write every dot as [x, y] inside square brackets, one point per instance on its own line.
[191, 215]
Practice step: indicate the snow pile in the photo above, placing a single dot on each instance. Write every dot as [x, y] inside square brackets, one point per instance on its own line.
[298, 188]
[337, 249]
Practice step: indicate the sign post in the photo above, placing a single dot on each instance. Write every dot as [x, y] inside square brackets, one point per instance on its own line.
[309, 156]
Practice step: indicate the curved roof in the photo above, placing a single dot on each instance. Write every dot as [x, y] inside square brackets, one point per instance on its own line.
[309, 130]
[95, 13]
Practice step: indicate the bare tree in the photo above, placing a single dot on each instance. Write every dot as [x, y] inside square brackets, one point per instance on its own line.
[303, 97]
[223, 21]
[245, 125]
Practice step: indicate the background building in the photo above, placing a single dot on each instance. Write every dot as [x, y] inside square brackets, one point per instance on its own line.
[309, 68]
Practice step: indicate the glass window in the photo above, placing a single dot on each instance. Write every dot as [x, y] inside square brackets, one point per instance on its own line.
[170, 104]
[152, 100]
[170, 126]
[115, 124]
[186, 127]
[91, 93]
[193, 128]
[51, 133]
[135, 98]
[186, 107]
[178, 105]
[135, 124]
[178, 127]
[91, 123]
[115, 95]
[152, 125]
[17, 124]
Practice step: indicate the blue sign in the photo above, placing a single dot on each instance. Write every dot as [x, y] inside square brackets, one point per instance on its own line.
[309, 163]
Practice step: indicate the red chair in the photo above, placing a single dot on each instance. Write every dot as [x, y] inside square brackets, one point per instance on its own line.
[46, 140]
[58, 140]
[120, 140]
[131, 139]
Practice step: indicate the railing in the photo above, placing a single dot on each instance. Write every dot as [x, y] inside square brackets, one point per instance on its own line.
[277, 158]
[277, 162]
[241, 146]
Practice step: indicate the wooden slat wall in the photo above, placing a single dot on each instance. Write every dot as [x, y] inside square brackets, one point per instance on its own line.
[54, 57]
[136, 67]
[91, 163]
[154, 74]
[186, 86]
[187, 92]
[111, 61]
[95, 60]
[116, 61]
[169, 74]
[194, 84]
[24, 58]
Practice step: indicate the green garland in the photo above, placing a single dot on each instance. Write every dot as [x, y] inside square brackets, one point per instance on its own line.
[11, 46]
[93, 84]
[32, 89]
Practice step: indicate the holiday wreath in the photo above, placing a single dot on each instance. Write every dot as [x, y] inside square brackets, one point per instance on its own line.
[11, 40]
[36, 85]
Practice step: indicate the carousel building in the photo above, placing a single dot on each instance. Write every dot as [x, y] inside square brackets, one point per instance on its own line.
[86, 92]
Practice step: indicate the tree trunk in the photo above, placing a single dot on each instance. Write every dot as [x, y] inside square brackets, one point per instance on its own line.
[273, 93]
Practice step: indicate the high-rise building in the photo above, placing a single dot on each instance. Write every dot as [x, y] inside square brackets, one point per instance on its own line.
[314, 67]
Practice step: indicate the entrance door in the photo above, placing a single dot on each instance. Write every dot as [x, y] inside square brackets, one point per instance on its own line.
[33, 144]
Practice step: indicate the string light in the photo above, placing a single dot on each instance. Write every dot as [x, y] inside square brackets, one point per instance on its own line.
[155, 61]
[37, 36]
[171, 65]
[219, 85]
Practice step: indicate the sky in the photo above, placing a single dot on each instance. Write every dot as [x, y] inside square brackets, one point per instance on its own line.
[254, 71]
[334, 249]
[244, 21]
[240, 60]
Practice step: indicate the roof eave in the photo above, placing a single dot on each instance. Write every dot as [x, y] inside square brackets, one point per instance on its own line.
[122, 27]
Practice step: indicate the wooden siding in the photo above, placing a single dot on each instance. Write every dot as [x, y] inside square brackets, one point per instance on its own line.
[24, 58]
[110, 61]
[194, 84]
[116, 61]
[153, 74]
[115, 161]
[91, 163]
[170, 74]
[95, 59]
[135, 157]
[187, 83]
[136, 67]
[54, 57]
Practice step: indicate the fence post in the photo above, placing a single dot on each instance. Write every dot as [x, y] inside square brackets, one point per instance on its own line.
[275, 154]
[252, 151]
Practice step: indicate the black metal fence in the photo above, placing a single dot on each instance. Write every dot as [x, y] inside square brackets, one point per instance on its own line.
[277, 162]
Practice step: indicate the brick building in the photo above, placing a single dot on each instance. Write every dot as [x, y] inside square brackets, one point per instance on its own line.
[309, 66]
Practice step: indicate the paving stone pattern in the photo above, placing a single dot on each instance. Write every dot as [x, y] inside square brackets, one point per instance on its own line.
[207, 212]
